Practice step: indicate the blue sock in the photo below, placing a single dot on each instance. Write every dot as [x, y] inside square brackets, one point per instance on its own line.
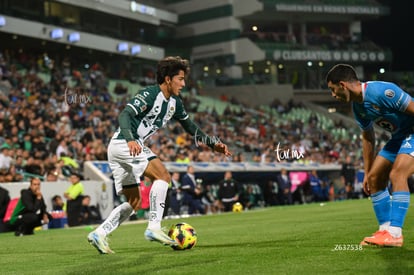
[399, 206]
[382, 206]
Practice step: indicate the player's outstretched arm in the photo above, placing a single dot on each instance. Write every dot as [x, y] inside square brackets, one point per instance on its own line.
[199, 136]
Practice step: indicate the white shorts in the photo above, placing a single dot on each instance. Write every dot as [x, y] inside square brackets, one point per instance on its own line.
[126, 169]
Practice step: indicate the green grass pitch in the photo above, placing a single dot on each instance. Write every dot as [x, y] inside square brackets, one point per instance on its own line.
[300, 239]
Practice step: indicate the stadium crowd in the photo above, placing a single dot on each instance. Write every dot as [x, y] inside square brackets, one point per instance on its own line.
[50, 127]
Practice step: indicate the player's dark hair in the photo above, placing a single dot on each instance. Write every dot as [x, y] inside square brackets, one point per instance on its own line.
[341, 72]
[170, 66]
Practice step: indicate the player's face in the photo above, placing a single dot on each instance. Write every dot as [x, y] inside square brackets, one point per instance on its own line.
[176, 84]
[339, 91]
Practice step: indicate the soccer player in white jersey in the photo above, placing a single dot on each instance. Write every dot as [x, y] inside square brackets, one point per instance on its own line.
[129, 158]
[392, 109]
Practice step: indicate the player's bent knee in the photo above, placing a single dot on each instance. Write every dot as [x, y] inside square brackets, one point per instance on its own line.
[376, 183]
[135, 203]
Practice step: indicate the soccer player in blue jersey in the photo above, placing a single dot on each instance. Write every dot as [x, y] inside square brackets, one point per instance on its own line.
[129, 158]
[392, 109]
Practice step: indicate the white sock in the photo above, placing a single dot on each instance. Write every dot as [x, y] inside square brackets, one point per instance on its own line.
[396, 232]
[384, 226]
[117, 216]
[158, 194]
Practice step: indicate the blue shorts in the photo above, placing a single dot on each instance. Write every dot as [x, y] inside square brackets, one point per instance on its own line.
[398, 146]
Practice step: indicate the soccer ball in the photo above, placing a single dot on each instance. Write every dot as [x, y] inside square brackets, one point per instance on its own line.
[184, 234]
[237, 207]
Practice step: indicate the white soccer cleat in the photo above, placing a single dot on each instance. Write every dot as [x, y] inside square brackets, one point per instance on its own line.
[159, 236]
[99, 242]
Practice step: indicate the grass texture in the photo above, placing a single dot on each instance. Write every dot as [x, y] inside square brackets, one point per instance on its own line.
[301, 239]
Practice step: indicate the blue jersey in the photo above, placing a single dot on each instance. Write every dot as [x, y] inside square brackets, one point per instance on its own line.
[384, 103]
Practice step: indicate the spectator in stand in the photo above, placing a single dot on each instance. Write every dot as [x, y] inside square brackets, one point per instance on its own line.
[64, 126]
[228, 192]
[55, 170]
[62, 148]
[55, 142]
[182, 157]
[51, 175]
[5, 158]
[69, 162]
[12, 175]
[27, 142]
[33, 166]
[38, 145]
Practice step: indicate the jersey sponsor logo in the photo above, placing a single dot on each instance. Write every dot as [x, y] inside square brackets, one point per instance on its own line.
[386, 125]
[389, 93]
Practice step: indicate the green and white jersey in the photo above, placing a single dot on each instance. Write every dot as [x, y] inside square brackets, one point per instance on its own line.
[149, 111]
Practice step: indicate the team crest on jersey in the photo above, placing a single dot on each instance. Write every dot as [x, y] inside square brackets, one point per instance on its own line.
[170, 113]
[389, 93]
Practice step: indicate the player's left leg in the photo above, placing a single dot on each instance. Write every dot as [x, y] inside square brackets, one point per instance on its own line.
[160, 177]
